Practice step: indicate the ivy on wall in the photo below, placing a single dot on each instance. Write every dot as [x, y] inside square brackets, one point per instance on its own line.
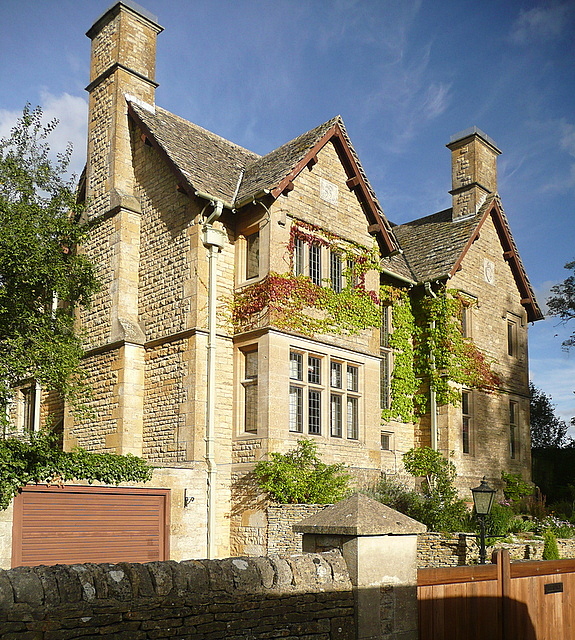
[444, 355]
[429, 349]
[294, 302]
[39, 460]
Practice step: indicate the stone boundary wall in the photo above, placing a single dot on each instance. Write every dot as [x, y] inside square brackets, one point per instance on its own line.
[433, 549]
[457, 549]
[306, 596]
[280, 519]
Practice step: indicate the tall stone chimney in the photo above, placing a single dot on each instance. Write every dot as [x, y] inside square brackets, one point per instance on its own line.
[122, 64]
[473, 171]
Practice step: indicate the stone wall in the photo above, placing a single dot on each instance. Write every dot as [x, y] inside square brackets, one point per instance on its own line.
[305, 596]
[452, 550]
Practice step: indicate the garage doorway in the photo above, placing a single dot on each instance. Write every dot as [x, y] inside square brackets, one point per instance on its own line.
[79, 524]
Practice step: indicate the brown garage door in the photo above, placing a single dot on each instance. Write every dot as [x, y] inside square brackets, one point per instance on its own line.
[73, 524]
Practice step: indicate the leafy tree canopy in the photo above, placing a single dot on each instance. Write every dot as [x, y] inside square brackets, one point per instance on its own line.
[300, 477]
[547, 430]
[562, 303]
[42, 277]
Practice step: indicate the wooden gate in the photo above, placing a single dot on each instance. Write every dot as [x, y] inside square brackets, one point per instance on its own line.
[502, 601]
[78, 524]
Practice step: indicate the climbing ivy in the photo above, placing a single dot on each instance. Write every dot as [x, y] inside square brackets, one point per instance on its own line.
[430, 351]
[294, 302]
[39, 460]
[404, 383]
[443, 355]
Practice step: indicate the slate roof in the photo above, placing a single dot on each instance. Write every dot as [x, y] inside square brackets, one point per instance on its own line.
[269, 170]
[432, 245]
[208, 162]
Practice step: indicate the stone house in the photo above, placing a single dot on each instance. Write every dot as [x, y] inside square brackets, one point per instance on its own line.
[240, 308]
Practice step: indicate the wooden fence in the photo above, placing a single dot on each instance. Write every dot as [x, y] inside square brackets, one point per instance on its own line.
[501, 601]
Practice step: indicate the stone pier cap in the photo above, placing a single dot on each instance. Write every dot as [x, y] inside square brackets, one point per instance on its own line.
[358, 516]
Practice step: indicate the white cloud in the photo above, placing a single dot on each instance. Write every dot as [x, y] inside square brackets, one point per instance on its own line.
[72, 115]
[540, 24]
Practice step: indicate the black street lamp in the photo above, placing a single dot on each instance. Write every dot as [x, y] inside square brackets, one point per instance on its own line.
[482, 501]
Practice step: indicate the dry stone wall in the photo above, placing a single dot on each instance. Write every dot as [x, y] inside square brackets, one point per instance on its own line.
[305, 596]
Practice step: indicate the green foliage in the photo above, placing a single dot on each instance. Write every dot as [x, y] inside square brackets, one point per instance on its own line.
[562, 303]
[38, 262]
[515, 487]
[547, 430]
[499, 521]
[442, 354]
[422, 507]
[299, 477]
[443, 509]
[404, 383]
[39, 460]
[550, 548]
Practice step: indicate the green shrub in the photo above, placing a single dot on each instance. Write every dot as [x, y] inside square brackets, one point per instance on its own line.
[300, 477]
[550, 549]
[499, 520]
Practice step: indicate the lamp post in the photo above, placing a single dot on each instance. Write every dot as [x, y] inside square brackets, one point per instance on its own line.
[482, 501]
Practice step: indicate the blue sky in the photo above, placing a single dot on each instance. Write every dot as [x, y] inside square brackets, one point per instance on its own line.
[405, 76]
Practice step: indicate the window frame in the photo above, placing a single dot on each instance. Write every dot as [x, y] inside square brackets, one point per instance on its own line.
[250, 391]
[467, 422]
[513, 415]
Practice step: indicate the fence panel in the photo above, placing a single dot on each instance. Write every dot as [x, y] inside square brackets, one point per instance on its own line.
[502, 601]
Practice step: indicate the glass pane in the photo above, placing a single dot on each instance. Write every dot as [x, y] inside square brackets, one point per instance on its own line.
[253, 255]
[465, 434]
[251, 407]
[315, 264]
[352, 418]
[335, 377]
[352, 378]
[295, 409]
[384, 382]
[386, 441]
[251, 362]
[296, 366]
[335, 272]
[335, 418]
[298, 257]
[314, 370]
[314, 412]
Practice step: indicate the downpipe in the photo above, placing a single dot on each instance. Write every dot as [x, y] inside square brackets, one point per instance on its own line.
[213, 241]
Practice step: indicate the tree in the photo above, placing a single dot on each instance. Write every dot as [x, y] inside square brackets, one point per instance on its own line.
[42, 276]
[442, 509]
[300, 477]
[562, 303]
[547, 430]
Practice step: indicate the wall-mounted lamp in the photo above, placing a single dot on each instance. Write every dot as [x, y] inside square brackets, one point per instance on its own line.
[188, 499]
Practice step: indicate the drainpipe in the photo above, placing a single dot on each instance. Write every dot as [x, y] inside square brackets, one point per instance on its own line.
[213, 241]
[432, 392]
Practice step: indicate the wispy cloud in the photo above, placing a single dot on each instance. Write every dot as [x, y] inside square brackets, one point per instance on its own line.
[72, 115]
[540, 24]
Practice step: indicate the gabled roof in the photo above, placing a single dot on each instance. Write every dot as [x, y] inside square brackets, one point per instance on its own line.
[203, 161]
[209, 164]
[435, 247]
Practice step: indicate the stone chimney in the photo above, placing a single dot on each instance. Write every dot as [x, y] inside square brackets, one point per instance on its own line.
[122, 65]
[473, 171]
[123, 62]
